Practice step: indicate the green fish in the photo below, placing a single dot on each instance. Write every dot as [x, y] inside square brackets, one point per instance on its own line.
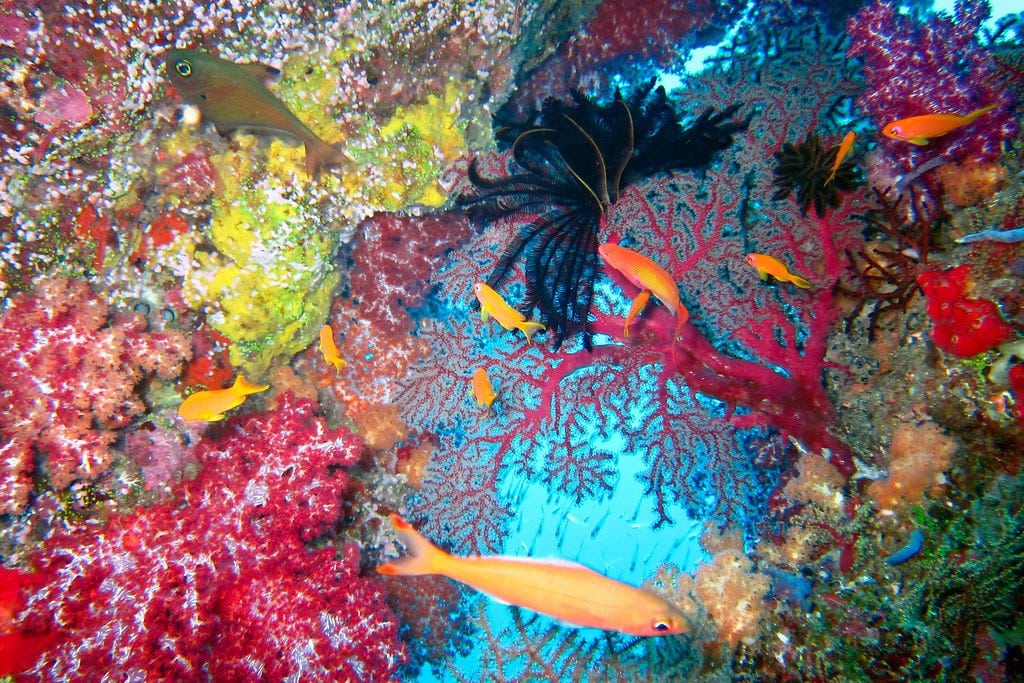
[234, 96]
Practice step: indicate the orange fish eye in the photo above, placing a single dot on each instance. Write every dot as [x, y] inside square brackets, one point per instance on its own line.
[183, 67]
[661, 626]
[894, 130]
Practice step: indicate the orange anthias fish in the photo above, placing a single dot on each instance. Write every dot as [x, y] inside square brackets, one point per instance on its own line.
[329, 349]
[492, 304]
[651, 278]
[233, 96]
[483, 390]
[918, 130]
[564, 590]
[210, 406]
[769, 265]
[844, 148]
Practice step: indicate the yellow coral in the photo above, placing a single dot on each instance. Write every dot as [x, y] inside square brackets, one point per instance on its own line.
[414, 148]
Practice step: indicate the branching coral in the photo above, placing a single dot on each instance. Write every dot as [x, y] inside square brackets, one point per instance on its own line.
[68, 382]
[576, 160]
[221, 585]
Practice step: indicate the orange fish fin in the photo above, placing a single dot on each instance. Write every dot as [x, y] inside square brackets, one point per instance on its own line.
[423, 556]
[639, 301]
[918, 141]
[244, 386]
[528, 328]
[800, 282]
[682, 315]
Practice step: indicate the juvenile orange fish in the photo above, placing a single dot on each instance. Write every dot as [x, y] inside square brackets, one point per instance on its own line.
[769, 265]
[649, 277]
[329, 349]
[483, 390]
[844, 148]
[918, 130]
[567, 591]
[491, 304]
[210, 406]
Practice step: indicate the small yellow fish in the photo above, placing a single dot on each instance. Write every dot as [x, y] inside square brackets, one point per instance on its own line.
[769, 265]
[918, 130]
[483, 390]
[844, 148]
[330, 349]
[569, 592]
[492, 304]
[233, 96]
[210, 406]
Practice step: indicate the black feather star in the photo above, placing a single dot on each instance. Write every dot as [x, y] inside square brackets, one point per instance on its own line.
[804, 168]
[576, 158]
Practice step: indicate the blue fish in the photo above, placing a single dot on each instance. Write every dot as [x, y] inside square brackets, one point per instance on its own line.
[1007, 236]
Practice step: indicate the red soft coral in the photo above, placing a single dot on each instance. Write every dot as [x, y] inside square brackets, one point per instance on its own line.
[222, 585]
[68, 381]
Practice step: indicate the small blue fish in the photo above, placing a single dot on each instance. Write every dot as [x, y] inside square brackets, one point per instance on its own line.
[1007, 236]
[912, 548]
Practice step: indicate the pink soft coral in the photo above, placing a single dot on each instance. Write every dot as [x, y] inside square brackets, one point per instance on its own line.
[67, 380]
[222, 585]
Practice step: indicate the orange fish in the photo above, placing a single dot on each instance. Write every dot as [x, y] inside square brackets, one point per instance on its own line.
[844, 148]
[492, 304]
[210, 406]
[567, 591]
[918, 130]
[651, 278]
[769, 265]
[330, 349]
[483, 390]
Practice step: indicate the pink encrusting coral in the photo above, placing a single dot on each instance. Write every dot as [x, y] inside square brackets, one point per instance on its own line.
[68, 380]
[221, 585]
[914, 67]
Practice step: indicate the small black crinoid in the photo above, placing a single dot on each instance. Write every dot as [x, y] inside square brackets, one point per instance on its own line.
[805, 168]
[576, 157]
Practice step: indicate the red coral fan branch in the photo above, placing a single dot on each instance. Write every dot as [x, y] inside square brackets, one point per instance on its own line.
[68, 382]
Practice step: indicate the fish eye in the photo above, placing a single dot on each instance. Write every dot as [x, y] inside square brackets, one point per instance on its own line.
[183, 67]
[168, 315]
[661, 626]
[141, 307]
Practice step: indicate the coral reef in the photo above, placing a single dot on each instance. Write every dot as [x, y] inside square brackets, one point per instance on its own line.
[69, 381]
[153, 593]
[915, 66]
[576, 160]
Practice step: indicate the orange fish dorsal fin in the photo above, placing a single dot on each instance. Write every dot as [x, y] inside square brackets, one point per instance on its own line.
[423, 556]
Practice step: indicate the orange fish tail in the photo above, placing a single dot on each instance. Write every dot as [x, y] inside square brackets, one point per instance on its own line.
[423, 556]
[244, 386]
[682, 316]
[980, 112]
[800, 282]
[528, 328]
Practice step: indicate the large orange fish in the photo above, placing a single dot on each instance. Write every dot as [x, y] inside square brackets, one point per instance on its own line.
[649, 277]
[766, 265]
[918, 130]
[210, 406]
[233, 96]
[564, 590]
[491, 304]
